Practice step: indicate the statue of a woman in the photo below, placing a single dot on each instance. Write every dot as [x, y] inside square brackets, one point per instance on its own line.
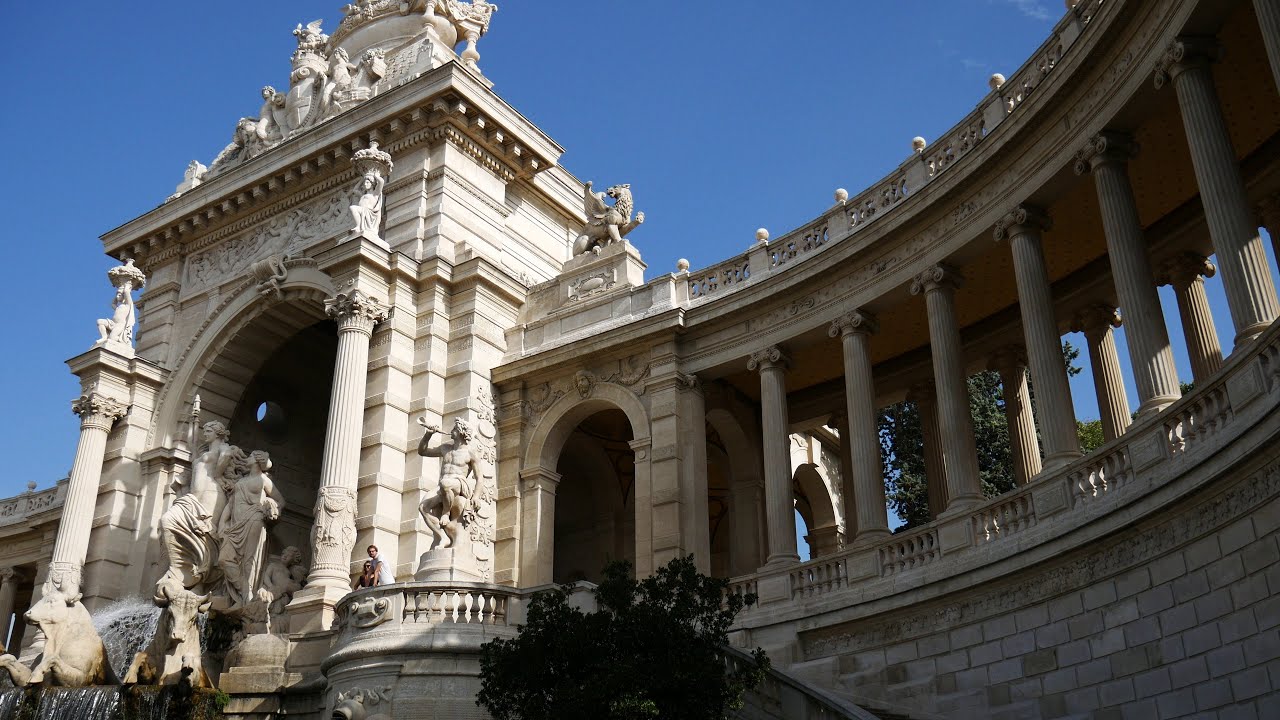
[188, 525]
[368, 210]
[242, 528]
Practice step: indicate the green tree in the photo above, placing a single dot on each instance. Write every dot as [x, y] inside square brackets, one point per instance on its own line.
[1090, 434]
[655, 648]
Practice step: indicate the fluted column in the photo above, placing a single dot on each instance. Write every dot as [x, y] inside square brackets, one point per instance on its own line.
[1269, 216]
[1108, 384]
[1023, 228]
[334, 535]
[780, 518]
[854, 329]
[959, 454]
[1268, 12]
[1011, 363]
[925, 397]
[1251, 294]
[840, 422]
[1186, 274]
[97, 414]
[1106, 156]
[9, 578]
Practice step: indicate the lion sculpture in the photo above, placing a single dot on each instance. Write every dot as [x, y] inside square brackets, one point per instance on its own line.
[606, 224]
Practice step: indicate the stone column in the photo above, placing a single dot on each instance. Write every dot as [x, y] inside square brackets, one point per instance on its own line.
[97, 414]
[1186, 274]
[1106, 156]
[959, 454]
[334, 534]
[1268, 12]
[695, 531]
[848, 495]
[854, 329]
[1269, 216]
[1251, 294]
[1023, 227]
[9, 579]
[1011, 363]
[925, 397]
[537, 525]
[780, 519]
[1113, 405]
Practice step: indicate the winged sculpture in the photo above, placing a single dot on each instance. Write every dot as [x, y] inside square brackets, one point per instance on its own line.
[606, 223]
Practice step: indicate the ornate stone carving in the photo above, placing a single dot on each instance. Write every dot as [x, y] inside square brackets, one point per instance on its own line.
[1184, 53]
[592, 284]
[1107, 146]
[73, 652]
[174, 651]
[191, 178]
[1095, 318]
[1022, 218]
[118, 329]
[768, 358]
[254, 501]
[606, 224]
[936, 277]
[334, 534]
[1183, 269]
[370, 612]
[360, 703]
[688, 382]
[584, 381]
[355, 311]
[374, 167]
[852, 322]
[269, 273]
[451, 505]
[98, 410]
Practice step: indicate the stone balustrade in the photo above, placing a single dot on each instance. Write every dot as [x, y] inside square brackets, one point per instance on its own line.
[17, 509]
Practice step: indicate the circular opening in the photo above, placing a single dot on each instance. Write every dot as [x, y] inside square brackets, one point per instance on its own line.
[271, 418]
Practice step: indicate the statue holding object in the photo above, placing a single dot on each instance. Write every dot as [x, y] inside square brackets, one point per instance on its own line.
[118, 328]
[606, 224]
[451, 505]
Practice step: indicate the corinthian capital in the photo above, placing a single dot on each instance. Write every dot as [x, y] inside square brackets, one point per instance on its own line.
[1022, 219]
[355, 311]
[1106, 147]
[1183, 269]
[1185, 53]
[938, 277]
[768, 358]
[98, 410]
[852, 322]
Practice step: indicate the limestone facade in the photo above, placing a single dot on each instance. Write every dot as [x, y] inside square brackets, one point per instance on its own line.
[623, 413]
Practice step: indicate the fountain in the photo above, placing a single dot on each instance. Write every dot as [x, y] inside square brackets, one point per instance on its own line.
[125, 627]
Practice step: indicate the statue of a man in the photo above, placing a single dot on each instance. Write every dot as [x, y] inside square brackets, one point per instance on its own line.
[119, 327]
[281, 579]
[444, 508]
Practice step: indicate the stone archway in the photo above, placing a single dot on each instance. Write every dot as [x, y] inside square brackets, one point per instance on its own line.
[742, 526]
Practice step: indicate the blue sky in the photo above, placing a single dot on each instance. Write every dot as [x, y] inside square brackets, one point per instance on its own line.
[724, 117]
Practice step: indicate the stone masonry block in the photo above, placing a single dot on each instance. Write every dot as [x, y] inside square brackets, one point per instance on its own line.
[1038, 662]
[1133, 582]
[1098, 595]
[1073, 653]
[1086, 625]
[932, 645]
[1141, 710]
[1188, 672]
[1248, 591]
[1053, 634]
[1202, 552]
[1120, 612]
[1190, 586]
[1176, 703]
[1152, 683]
[945, 683]
[1032, 617]
[1155, 600]
[972, 679]
[1213, 694]
[1093, 672]
[900, 653]
[1060, 681]
[1026, 688]
[998, 695]
[953, 662]
[998, 627]
[1004, 671]
[1084, 700]
[1201, 639]
[1171, 650]
[1116, 692]
[1225, 571]
[1053, 706]
[1225, 660]
[1111, 641]
[1235, 536]
[1020, 644]
[1237, 626]
[1177, 619]
[1250, 684]
[1267, 612]
[1140, 632]
[1167, 568]
[1247, 711]
[1261, 648]
[985, 654]
[1065, 607]
[1131, 661]
[966, 636]
[1259, 555]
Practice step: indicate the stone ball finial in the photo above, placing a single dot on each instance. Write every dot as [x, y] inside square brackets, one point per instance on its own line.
[841, 195]
[918, 144]
[996, 82]
[31, 486]
[762, 235]
[682, 265]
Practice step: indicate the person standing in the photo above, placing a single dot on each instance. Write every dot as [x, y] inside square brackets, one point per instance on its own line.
[382, 571]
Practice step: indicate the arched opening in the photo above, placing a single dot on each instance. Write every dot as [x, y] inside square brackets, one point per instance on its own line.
[719, 502]
[735, 497]
[595, 500]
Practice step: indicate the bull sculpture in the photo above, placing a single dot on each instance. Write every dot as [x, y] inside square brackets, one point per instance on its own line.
[74, 655]
[174, 651]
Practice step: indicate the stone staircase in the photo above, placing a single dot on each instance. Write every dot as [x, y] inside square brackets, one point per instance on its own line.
[783, 696]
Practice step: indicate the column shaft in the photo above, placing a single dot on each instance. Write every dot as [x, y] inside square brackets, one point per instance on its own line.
[779, 499]
[537, 526]
[8, 594]
[1104, 361]
[694, 510]
[1268, 12]
[855, 330]
[1197, 326]
[960, 455]
[1251, 294]
[1023, 445]
[1145, 331]
[926, 401]
[1054, 407]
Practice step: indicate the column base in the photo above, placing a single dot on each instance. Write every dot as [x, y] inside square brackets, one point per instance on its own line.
[1249, 334]
[869, 537]
[780, 561]
[1156, 404]
[961, 505]
[313, 607]
[1058, 460]
[443, 565]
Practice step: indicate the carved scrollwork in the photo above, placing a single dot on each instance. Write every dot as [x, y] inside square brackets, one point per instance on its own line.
[768, 358]
[370, 612]
[356, 311]
[1021, 219]
[1184, 53]
[1107, 146]
[937, 277]
[98, 410]
[852, 322]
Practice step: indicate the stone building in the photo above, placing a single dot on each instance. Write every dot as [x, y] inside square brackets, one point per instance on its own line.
[390, 246]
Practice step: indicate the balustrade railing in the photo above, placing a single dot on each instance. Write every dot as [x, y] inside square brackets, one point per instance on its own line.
[1194, 422]
[1100, 474]
[732, 272]
[819, 577]
[19, 508]
[790, 246]
[1012, 514]
[485, 607]
[909, 551]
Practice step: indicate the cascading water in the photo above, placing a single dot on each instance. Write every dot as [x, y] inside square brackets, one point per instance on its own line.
[126, 626]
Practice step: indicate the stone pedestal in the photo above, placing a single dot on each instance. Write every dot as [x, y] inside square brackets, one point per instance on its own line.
[452, 564]
[613, 266]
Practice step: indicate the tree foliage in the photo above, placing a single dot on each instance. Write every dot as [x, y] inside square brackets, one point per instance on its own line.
[655, 648]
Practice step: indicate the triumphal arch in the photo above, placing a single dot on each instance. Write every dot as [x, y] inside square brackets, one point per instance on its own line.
[385, 315]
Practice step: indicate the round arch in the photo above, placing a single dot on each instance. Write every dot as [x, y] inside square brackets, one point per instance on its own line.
[746, 485]
[549, 435]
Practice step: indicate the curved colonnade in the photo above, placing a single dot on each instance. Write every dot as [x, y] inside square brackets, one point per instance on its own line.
[1130, 152]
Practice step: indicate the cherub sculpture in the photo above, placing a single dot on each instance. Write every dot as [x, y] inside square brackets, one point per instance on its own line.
[119, 327]
[606, 224]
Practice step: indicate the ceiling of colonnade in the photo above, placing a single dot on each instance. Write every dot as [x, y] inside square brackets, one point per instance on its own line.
[1075, 248]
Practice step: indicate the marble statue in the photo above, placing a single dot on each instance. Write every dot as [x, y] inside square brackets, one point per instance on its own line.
[374, 166]
[243, 142]
[74, 655]
[606, 224]
[339, 82]
[19, 674]
[271, 128]
[451, 505]
[174, 652]
[118, 328]
[191, 178]
[242, 531]
[310, 72]
[281, 579]
[188, 526]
